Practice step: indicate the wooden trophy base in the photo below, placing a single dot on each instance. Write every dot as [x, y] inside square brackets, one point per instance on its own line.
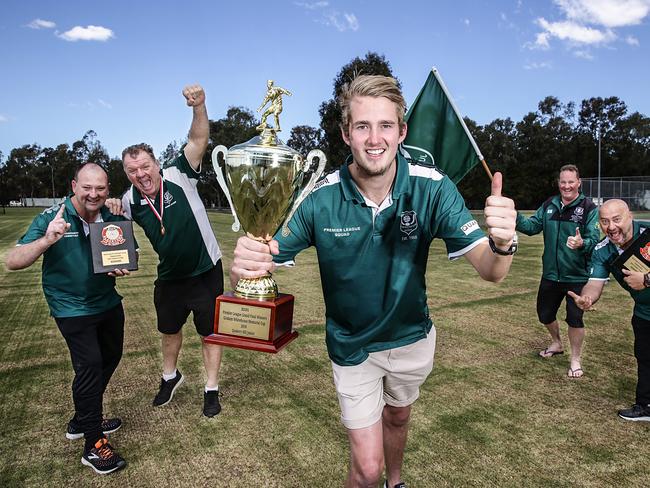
[258, 325]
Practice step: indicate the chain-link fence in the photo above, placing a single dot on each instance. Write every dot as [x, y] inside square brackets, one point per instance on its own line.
[635, 190]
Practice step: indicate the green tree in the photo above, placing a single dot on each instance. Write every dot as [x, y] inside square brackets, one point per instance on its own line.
[21, 178]
[236, 127]
[304, 138]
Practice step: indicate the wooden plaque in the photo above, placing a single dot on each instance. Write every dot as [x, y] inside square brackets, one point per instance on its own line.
[258, 325]
[637, 255]
[112, 246]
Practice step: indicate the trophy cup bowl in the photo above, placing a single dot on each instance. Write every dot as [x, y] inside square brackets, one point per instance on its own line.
[264, 182]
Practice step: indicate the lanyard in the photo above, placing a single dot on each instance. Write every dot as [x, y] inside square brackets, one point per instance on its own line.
[159, 216]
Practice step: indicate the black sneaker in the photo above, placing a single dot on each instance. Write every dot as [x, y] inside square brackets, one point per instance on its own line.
[401, 484]
[102, 458]
[211, 405]
[108, 427]
[167, 389]
[637, 413]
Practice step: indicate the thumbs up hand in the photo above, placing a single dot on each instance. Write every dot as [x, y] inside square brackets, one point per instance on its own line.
[575, 242]
[500, 215]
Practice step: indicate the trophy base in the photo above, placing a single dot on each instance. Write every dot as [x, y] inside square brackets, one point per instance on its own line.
[257, 325]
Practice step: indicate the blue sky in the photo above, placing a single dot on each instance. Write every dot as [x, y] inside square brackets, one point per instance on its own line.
[118, 67]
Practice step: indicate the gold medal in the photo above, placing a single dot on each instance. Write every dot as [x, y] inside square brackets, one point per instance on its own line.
[162, 230]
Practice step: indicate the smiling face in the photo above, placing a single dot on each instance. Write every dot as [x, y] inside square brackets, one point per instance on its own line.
[569, 185]
[90, 188]
[373, 134]
[143, 171]
[615, 221]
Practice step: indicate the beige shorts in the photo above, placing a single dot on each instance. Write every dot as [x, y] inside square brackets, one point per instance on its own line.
[390, 377]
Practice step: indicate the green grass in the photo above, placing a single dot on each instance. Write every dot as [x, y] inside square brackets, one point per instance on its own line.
[491, 414]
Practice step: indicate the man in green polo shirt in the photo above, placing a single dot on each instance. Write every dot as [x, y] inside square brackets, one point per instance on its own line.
[620, 232]
[568, 222]
[168, 207]
[372, 223]
[85, 306]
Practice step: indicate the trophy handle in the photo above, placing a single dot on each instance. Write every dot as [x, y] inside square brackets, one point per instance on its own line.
[222, 182]
[322, 160]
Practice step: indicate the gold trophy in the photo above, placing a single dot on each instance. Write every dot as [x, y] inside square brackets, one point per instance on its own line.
[264, 181]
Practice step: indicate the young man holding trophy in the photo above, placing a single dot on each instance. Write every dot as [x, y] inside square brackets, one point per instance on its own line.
[166, 204]
[372, 222]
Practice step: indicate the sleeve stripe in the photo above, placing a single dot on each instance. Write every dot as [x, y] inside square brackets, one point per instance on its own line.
[466, 249]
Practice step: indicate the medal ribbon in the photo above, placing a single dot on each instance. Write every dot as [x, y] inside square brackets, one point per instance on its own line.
[159, 216]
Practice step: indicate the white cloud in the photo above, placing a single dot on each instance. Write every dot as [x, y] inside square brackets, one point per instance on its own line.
[572, 31]
[580, 53]
[89, 33]
[608, 13]
[342, 22]
[632, 41]
[4, 118]
[41, 24]
[104, 103]
[541, 41]
[542, 65]
[312, 5]
[590, 23]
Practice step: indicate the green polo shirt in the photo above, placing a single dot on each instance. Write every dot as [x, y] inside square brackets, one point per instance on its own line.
[188, 247]
[71, 288]
[601, 266]
[373, 266]
[558, 222]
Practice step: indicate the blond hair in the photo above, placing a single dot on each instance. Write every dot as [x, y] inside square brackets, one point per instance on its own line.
[371, 86]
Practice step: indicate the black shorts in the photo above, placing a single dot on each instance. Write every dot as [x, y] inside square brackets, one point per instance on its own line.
[549, 299]
[175, 299]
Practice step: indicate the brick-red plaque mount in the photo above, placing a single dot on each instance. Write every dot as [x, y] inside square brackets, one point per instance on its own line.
[258, 325]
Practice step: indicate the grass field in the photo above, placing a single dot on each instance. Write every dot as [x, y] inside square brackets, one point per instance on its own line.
[492, 413]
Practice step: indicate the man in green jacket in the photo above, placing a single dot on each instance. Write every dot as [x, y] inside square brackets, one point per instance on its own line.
[569, 222]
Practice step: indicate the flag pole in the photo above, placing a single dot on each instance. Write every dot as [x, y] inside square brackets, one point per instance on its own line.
[462, 122]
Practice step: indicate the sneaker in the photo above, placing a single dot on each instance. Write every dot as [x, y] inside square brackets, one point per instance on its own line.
[102, 458]
[167, 389]
[211, 405]
[637, 413]
[401, 484]
[108, 427]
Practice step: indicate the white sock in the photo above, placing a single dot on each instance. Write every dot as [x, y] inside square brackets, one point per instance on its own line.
[168, 377]
[211, 388]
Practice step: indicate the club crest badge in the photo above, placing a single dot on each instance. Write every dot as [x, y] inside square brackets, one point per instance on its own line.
[112, 236]
[577, 214]
[645, 251]
[408, 222]
[167, 198]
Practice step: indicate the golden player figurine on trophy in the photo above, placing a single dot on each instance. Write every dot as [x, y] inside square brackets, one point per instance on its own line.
[264, 182]
[273, 95]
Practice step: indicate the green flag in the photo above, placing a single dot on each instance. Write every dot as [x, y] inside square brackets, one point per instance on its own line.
[437, 134]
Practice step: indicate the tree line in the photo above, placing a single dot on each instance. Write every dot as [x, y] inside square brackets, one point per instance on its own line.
[528, 152]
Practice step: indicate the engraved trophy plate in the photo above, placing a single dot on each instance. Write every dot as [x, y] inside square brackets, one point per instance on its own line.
[264, 182]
